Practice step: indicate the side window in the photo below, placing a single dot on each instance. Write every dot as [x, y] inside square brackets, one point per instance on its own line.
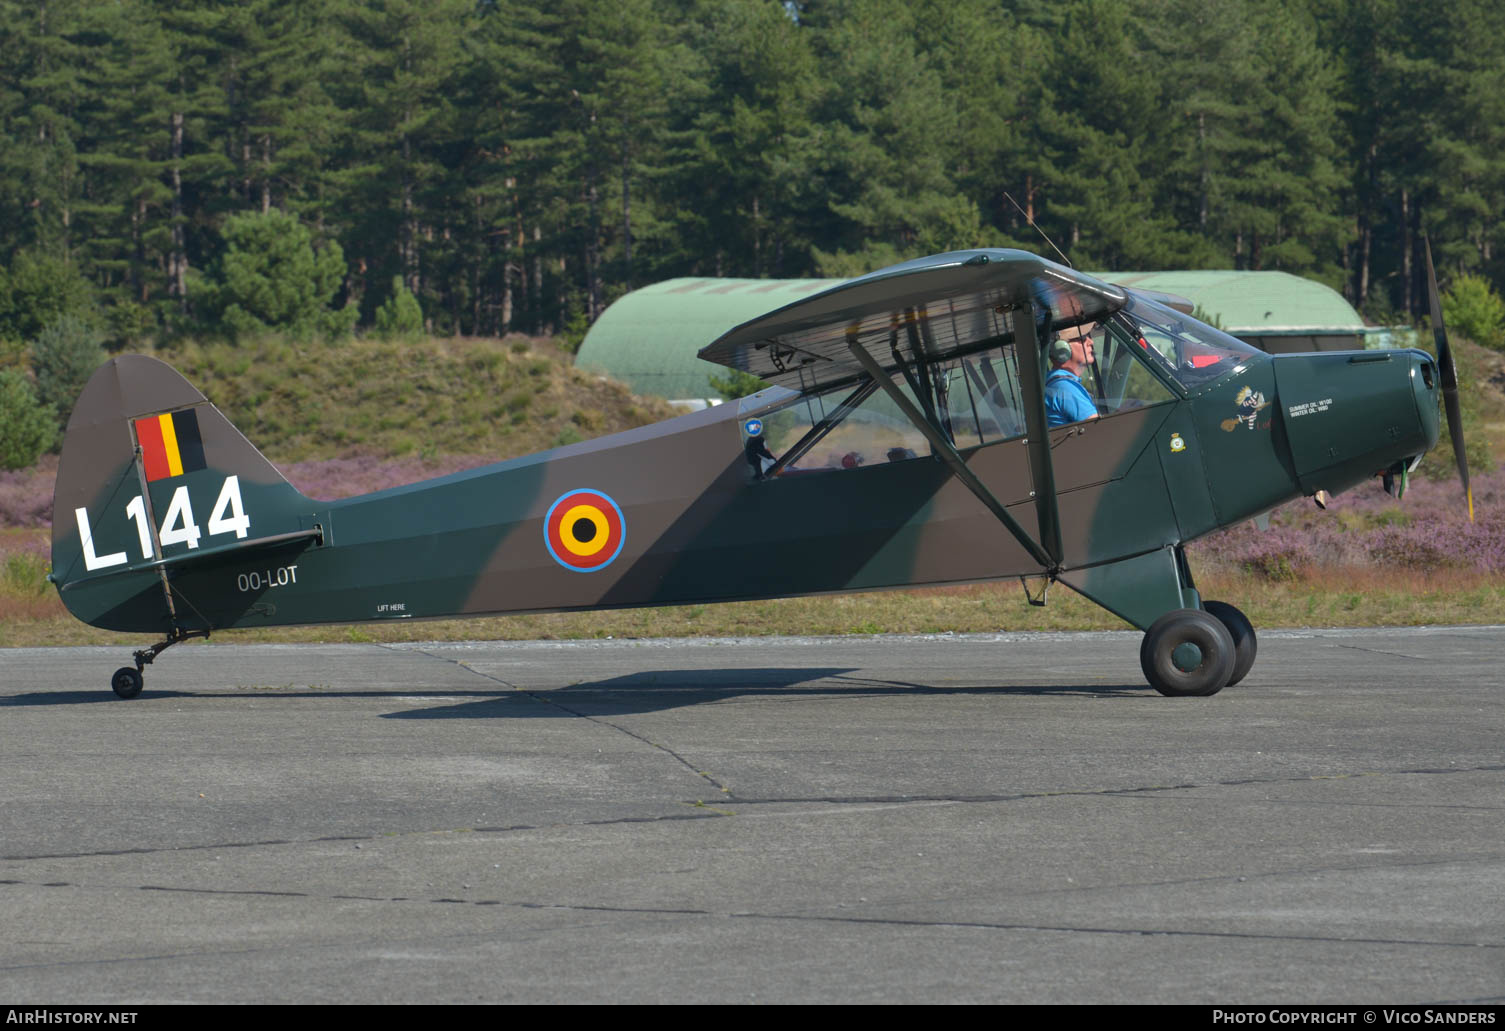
[975, 400]
[983, 399]
[875, 432]
[783, 429]
[844, 429]
[1123, 378]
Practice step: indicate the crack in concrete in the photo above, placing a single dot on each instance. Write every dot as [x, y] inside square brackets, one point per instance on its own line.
[827, 918]
[704, 811]
[1132, 931]
[544, 700]
[1382, 651]
[1146, 789]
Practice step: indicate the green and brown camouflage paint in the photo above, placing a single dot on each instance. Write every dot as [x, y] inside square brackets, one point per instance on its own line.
[1130, 489]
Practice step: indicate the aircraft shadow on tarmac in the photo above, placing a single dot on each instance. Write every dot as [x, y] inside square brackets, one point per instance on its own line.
[648, 691]
[656, 690]
[82, 697]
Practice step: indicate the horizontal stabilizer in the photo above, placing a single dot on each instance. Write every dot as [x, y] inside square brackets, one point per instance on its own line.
[205, 556]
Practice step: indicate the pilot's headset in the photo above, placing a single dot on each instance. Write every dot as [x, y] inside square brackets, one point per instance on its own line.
[1059, 352]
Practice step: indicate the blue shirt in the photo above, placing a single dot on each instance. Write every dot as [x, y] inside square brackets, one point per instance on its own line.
[1066, 400]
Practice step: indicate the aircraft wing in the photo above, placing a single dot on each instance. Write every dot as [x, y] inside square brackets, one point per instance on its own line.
[944, 305]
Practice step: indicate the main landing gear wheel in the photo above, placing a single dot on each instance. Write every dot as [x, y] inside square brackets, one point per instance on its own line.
[1187, 652]
[126, 682]
[1242, 631]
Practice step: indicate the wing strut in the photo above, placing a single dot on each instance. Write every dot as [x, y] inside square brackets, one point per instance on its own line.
[1037, 444]
[946, 453]
[864, 390]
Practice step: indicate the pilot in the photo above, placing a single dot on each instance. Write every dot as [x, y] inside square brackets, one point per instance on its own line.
[1066, 400]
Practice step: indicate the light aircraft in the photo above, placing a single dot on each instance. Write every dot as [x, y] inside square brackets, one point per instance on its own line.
[904, 441]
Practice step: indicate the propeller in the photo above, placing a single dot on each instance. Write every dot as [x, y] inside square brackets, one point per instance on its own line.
[1449, 380]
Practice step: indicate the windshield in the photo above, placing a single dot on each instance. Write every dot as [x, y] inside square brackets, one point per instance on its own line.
[1190, 351]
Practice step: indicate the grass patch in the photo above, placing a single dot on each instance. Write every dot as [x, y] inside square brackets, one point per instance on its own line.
[386, 397]
[367, 415]
[23, 574]
[1330, 598]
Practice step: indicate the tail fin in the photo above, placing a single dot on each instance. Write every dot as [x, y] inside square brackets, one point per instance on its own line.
[146, 458]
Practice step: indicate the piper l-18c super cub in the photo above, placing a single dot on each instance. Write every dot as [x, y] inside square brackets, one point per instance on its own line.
[907, 439]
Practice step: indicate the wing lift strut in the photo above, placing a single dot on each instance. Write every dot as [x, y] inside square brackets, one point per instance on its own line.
[1047, 550]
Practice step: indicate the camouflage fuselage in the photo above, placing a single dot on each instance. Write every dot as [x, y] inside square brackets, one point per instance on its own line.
[670, 513]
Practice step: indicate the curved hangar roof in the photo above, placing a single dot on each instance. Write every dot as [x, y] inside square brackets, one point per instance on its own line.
[649, 338]
[1274, 311]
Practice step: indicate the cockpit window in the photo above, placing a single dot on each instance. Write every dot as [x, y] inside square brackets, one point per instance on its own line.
[1192, 352]
[1124, 362]
[1118, 379]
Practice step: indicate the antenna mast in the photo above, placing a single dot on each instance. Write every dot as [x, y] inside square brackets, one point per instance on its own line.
[1037, 229]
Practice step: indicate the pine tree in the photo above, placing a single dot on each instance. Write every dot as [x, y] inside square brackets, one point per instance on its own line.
[125, 217]
[270, 277]
[990, 62]
[26, 425]
[1425, 105]
[400, 314]
[40, 179]
[1099, 136]
[37, 290]
[201, 40]
[400, 65]
[1207, 82]
[751, 165]
[889, 133]
[1285, 200]
[63, 357]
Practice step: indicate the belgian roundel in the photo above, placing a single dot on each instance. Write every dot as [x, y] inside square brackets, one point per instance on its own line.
[584, 530]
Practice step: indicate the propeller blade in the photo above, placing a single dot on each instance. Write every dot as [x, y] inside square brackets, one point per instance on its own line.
[1449, 379]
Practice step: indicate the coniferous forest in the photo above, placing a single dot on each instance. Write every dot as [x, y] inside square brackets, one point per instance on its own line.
[174, 167]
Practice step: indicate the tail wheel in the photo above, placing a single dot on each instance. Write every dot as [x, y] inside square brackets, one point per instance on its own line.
[1187, 652]
[126, 682]
[1245, 646]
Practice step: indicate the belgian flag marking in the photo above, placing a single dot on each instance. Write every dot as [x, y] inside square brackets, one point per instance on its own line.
[170, 444]
[584, 530]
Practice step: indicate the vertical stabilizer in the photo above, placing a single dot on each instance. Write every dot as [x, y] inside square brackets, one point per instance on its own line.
[151, 473]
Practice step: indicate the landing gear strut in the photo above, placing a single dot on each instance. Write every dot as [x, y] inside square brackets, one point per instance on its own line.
[127, 682]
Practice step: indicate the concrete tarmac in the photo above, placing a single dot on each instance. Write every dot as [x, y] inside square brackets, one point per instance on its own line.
[979, 818]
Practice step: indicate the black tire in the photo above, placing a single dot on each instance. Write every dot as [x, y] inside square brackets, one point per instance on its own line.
[1245, 644]
[1211, 660]
[126, 682]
